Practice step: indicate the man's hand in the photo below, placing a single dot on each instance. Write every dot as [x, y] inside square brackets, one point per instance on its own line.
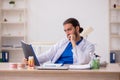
[72, 39]
[25, 61]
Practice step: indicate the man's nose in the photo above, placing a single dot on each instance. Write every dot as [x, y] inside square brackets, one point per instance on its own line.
[67, 34]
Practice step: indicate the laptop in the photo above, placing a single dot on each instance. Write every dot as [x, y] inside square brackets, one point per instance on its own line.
[28, 51]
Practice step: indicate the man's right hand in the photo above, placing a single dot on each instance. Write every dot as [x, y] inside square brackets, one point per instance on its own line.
[25, 61]
[72, 39]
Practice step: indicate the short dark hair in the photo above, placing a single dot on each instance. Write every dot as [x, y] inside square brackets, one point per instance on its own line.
[74, 22]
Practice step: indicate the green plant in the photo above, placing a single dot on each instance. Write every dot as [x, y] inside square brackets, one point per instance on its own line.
[11, 2]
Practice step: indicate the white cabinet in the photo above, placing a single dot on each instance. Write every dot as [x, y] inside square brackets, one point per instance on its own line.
[13, 24]
[114, 23]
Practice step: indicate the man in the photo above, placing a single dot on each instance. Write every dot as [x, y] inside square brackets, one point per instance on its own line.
[72, 50]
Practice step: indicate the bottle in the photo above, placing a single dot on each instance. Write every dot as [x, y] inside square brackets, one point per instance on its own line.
[20, 17]
[31, 62]
[114, 6]
[95, 64]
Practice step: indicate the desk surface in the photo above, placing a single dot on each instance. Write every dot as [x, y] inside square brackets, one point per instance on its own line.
[111, 72]
[111, 68]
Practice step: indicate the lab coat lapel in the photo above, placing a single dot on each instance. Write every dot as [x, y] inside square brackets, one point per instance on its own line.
[60, 51]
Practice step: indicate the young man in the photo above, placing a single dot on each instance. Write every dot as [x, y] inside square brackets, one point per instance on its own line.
[72, 50]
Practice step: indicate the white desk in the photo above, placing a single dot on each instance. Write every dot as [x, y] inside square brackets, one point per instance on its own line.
[111, 72]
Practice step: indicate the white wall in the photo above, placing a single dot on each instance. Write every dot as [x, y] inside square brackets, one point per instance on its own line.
[47, 16]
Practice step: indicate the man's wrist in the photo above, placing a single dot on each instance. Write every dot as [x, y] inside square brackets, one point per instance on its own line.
[73, 44]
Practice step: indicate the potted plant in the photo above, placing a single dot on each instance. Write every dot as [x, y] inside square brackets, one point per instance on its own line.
[12, 3]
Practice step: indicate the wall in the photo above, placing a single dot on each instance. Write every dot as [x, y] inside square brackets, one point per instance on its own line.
[47, 16]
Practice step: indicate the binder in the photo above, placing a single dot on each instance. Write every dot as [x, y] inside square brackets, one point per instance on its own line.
[112, 57]
[0, 56]
[5, 56]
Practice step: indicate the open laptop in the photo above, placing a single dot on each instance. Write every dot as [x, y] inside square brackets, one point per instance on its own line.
[28, 51]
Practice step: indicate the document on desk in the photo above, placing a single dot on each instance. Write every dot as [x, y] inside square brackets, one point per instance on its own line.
[49, 66]
[81, 67]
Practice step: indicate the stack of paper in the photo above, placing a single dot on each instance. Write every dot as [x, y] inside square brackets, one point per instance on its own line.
[51, 65]
[86, 66]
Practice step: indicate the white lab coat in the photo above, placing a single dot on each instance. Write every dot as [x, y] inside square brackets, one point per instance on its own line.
[81, 53]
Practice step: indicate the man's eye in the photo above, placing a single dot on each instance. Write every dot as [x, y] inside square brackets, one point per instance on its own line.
[65, 30]
[69, 29]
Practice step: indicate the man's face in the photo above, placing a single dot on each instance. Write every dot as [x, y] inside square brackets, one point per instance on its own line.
[69, 29]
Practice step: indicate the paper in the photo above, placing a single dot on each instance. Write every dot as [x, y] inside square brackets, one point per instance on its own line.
[51, 65]
[86, 66]
[52, 68]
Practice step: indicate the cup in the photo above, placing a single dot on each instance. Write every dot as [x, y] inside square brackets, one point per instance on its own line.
[21, 66]
[13, 65]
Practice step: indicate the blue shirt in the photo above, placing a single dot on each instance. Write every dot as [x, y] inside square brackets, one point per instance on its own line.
[67, 55]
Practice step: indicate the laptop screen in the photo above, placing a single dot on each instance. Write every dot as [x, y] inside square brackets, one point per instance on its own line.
[28, 51]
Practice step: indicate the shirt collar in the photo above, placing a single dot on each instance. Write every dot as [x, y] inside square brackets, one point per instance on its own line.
[79, 41]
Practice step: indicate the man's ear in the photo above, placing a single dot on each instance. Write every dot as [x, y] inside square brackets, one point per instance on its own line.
[77, 28]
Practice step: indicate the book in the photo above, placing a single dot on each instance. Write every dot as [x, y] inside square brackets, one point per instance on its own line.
[5, 56]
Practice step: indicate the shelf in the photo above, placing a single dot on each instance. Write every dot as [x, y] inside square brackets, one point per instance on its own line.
[13, 27]
[13, 22]
[12, 36]
[115, 36]
[10, 48]
[13, 9]
[115, 8]
[115, 50]
[114, 28]
[114, 22]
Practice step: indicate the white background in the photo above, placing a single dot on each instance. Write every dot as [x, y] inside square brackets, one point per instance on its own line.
[46, 17]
